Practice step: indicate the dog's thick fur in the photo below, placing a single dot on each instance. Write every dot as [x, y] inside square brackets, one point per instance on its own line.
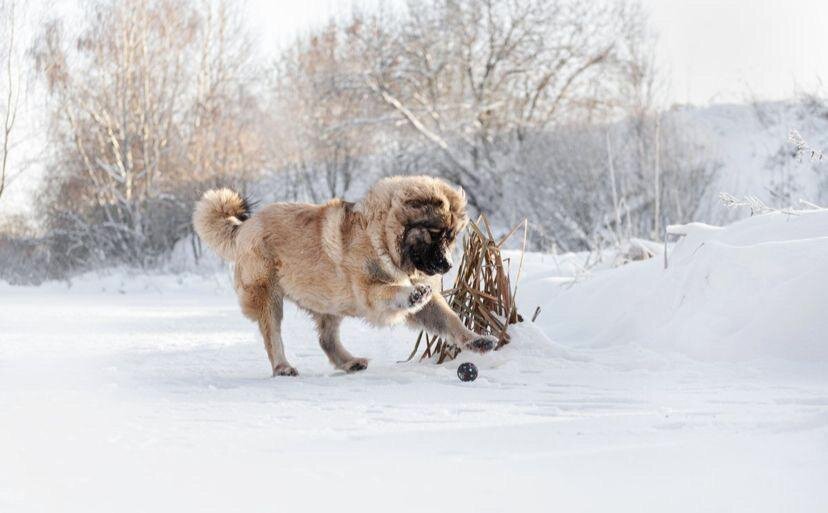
[378, 259]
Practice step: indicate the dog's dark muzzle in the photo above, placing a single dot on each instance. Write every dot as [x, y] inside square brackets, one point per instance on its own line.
[430, 259]
[440, 268]
[437, 264]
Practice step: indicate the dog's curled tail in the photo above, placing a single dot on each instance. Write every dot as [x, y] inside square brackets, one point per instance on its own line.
[217, 218]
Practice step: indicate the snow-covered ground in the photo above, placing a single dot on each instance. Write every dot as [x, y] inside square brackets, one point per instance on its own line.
[702, 387]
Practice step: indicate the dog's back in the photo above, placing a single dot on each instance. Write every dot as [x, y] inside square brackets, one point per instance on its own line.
[303, 249]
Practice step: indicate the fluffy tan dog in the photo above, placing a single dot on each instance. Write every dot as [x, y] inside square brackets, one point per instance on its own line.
[379, 259]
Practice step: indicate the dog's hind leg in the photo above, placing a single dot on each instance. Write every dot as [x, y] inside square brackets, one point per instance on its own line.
[272, 331]
[328, 328]
[265, 304]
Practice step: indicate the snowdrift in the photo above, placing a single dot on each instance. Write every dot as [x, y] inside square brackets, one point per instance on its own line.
[752, 290]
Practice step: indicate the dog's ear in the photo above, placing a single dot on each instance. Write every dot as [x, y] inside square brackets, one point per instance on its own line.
[462, 222]
[459, 208]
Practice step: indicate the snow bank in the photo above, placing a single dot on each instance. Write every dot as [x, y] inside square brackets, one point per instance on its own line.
[754, 289]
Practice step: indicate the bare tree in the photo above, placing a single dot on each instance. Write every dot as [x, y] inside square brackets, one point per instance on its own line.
[10, 83]
[551, 103]
[327, 119]
[474, 77]
[152, 102]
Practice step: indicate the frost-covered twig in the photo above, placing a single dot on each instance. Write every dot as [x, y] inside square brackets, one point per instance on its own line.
[808, 204]
[802, 146]
[756, 206]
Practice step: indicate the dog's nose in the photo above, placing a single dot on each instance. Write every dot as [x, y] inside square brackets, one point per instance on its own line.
[444, 263]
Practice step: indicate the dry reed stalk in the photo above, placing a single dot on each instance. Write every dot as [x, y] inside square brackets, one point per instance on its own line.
[481, 295]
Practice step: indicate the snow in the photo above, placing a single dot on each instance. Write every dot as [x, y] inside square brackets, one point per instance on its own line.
[752, 290]
[702, 387]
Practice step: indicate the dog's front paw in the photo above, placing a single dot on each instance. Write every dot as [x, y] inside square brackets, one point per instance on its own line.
[482, 344]
[419, 296]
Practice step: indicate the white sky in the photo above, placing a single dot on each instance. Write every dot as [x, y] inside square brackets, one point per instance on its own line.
[709, 50]
[733, 50]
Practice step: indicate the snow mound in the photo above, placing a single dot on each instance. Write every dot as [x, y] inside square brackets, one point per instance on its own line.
[751, 290]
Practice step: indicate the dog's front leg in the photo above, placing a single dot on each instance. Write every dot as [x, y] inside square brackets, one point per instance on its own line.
[396, 299]
[438, 318]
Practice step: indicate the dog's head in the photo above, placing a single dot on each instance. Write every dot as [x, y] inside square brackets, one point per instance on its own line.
[426, 217]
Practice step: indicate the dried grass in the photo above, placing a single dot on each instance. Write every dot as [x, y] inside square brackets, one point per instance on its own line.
[482, 294]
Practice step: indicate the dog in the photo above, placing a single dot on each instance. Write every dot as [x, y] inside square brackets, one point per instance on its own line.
[379, 259]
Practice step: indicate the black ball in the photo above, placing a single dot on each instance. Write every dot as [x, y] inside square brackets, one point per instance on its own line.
[467, 371]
